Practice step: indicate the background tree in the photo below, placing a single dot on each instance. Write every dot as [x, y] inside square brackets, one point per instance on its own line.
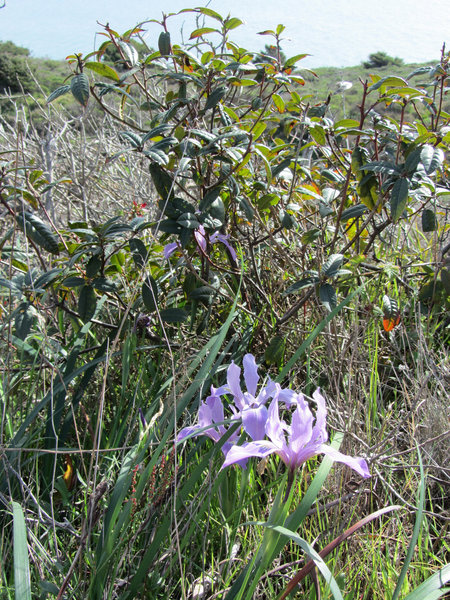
[381, 59]
[14, 72]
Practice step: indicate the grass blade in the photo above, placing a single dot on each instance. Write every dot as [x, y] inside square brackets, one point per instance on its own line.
[22, 582]
[416, 531]
[431, 589]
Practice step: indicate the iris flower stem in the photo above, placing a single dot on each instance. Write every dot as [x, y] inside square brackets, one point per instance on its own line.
[290, 481]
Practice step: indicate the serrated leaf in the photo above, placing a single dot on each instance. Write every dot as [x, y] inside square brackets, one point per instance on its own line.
[399, 198]
[87, 303]
[332, 265]
[429, 222]
[102, 69]
[150, 294]
[58, 92]
[79, 86]
[274, 353]
[327, 296]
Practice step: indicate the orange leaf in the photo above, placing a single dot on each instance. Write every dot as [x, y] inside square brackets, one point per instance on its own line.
[389, 324]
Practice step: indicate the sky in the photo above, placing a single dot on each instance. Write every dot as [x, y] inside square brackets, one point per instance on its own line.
[334, 32]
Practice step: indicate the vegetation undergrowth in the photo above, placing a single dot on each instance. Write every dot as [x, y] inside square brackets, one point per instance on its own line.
[210, 217]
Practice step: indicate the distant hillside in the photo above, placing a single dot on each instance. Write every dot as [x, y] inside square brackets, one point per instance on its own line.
[22, 75]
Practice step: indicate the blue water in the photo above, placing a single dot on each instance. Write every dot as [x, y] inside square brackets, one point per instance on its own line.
[335, 32]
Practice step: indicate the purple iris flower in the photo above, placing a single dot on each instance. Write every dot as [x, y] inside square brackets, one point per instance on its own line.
[250, 405]
[297, 442]
[200, 238]
[211, 413]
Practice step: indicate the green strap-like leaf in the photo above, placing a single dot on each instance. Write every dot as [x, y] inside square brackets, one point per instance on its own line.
[22, 581]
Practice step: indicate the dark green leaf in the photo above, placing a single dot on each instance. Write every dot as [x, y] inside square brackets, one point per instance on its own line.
[429, 222]
[188, 220]
[274, 353]
[390, 307]
[79, 86]
[327, 296]
[150, 294]
[412, 161]
[58, 92]
[139, 250]
[73, 281]
[164, 43]
[104, 285]
[287, 220]
[215, 97]
[132, 137]
[87, 303]
[24, 320]
[38, 231]
[203, 293]
[173, 315]
[332, 265]
[399, 198]
[431, 158]
[93, 266]
[445, 279]
[305, 282]
[162, 181]
[280, 166]
[353, 212]
[310, 236]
